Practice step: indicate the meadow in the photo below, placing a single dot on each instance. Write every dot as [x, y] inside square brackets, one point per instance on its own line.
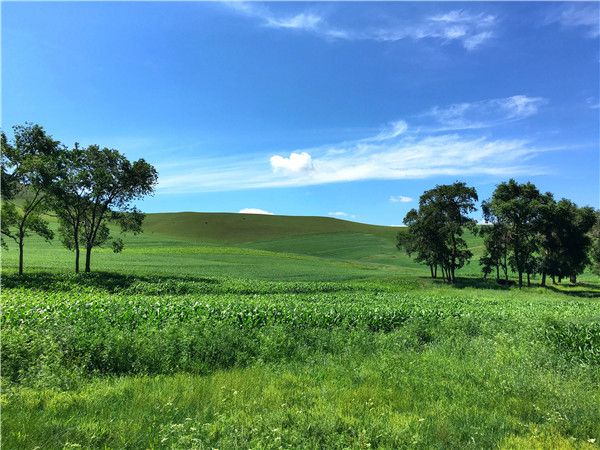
[241, 331]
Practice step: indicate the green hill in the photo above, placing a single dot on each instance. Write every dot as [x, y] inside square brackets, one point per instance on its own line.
[242, 246]
[233, 228]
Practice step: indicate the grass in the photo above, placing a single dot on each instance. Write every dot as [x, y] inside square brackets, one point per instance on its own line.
[307, 338]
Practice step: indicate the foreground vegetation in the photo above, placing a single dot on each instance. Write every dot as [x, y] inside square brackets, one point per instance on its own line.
[165, 362]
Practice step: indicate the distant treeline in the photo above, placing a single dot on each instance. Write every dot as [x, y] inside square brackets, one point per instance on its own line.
[85, 188]
[526, 231]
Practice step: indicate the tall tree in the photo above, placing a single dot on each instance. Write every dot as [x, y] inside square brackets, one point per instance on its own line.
[595, 245]
[28, 169]
[70, 198]
[565, 239]
[113, 183]
[495, 255]
[435, 231]
[517, 208]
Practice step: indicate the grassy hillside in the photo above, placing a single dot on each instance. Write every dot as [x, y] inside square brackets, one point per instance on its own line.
[238, 245]
[233, 228]
[243, 331]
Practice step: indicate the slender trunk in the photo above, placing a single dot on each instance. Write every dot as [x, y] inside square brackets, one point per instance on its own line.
[520, 278]
[497, 272]
[553, 279]
[528, 279]
[435, 271]
[76, 258]
[20, 255]
[573, 279]
[88, 255]
[76, 239]
[559, 279]
[431, 270]
[505, 268]
[544, 279]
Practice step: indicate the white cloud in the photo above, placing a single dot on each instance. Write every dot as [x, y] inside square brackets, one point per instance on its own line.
[469, 29]
[340, 214]
[255, 211]
[296, 162]
[486, 113]
[592, 103]
[303, 21]
[400, 199]
[398, 152]
[395, 129]
[585, 16]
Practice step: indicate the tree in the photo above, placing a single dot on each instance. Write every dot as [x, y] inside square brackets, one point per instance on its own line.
[496, 251]
[565, 240]
[110, 183]
[435, 230]
[28, 169]
[595, 245]
[422, 240]
[70, 198]
[516, 208]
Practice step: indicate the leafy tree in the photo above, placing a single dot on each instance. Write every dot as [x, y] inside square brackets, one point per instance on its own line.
[517, 208]
[101, 184]
[435, 230]
[422, 239]
[70, 198]
[565, 240]
[28, 169]
[495, 255]
[595, 245]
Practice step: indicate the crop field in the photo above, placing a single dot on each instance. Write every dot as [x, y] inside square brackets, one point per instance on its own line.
[321, 336]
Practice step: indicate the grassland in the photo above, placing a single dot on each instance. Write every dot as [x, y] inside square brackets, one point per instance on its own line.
[276, 332]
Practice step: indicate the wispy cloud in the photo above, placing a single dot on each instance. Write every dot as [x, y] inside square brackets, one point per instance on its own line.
[339, 214]
[486, 113]
[398, 152]
[400, 199]
[255, 211]
[584, 16]
[592, 102]
[469, 29]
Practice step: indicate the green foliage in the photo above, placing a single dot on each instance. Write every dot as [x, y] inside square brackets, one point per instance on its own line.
[595, 245]
[515, 210]
[435, 230]
[298, 364]
[28, 169]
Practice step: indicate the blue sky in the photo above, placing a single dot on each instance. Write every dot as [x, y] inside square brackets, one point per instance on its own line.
[343, 109]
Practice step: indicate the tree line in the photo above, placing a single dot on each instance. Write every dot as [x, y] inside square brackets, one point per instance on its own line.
[85, 188]
[525, 231]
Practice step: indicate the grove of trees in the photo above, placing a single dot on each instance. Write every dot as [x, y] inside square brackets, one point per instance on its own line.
[525, 231]
[86, 189]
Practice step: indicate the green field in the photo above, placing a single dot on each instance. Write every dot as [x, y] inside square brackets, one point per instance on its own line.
[247, 331]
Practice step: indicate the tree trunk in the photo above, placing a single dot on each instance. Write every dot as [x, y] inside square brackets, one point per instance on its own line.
[528, 279]
[553, 279]
[88, 256]
[431, 270]
[20, 255]
[520, 278]
[573, 279]
[76, 239]
[497, 272]
[543, 279]
[435, 271]
[77, 259]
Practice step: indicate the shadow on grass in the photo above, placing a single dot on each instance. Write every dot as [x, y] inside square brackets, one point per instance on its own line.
[477, 283]
[590, 291]
[583, 290]
[106, 281]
